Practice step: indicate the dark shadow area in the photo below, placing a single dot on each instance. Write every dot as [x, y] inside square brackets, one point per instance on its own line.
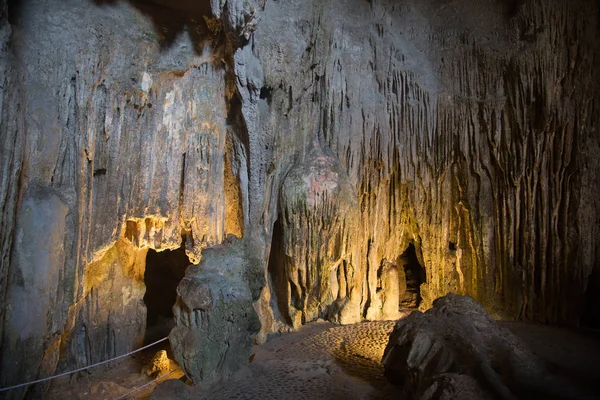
[415, 276]
[164, 271]
[236, 120]
[591, 315]
[277, 276]
[13, 10]
[172, 17]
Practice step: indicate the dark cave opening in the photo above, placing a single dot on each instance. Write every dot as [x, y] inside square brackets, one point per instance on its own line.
[415, 276]
[277, 278]
[591, 314]
[164, 271]
[13, 11]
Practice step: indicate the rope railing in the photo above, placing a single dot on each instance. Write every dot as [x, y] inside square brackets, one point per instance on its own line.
[84, 368]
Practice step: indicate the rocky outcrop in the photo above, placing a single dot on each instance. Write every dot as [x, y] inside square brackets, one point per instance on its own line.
[215, 320]
[158, 365]
[456, 350]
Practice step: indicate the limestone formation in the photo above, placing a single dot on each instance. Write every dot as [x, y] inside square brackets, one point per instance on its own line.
[312, 261]
[456, 350]
[158, 365]
[215, 320]
[452, 138]
[328, 136]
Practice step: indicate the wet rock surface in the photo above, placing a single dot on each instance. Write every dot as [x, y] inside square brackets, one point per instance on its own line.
[456, 350]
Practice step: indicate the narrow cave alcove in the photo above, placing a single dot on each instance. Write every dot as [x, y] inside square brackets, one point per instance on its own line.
[415, 276]
[280, 289]
[164, 271]
[591, 312]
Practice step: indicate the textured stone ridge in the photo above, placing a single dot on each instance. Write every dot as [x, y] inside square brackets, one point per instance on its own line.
[215, 320]
[467, 128]
[456, 350]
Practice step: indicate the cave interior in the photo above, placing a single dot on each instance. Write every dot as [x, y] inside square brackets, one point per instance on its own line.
[164, 270]
[300, 199]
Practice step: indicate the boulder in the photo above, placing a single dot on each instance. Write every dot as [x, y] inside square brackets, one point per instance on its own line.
[158, 365]
[171, 389]
[215, 320]
[456, 350]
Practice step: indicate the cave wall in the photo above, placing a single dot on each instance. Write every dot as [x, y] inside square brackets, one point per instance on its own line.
[115, 137]
[468, 129]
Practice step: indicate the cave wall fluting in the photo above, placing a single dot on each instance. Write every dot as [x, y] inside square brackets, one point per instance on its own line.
[328, 135]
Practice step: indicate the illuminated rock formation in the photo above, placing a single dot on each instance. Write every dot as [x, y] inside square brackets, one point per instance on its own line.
[332, 137]
[313, 271]
[464, 129]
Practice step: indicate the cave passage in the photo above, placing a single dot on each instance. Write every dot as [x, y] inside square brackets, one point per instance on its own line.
[415, 276]
[164, 271]
[591, 314]
[279, 281]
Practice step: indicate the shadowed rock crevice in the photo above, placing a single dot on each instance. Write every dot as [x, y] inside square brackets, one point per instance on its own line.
[591, 314]
[164, 270]
[414, 275]
[279, 285]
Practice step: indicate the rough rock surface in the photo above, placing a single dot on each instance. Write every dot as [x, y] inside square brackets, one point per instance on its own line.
[171, 389]
[469, 129]
[115, 139]
[464, 128]
[311, 264]
[215, 320]
[456, 350]
[158, 365]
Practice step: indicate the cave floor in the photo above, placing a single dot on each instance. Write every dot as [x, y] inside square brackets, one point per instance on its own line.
[325, 361]
[321, 361]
